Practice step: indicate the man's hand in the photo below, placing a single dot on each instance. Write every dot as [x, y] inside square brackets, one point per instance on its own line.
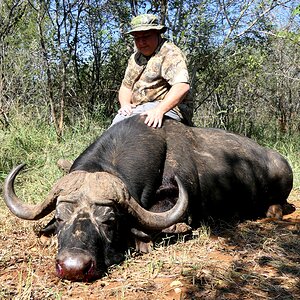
[154, 117]
[125, 96]
[174, 97]
[126, 110]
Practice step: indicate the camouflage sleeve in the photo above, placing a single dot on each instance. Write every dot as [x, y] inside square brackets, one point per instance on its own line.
[174, 69]
[128, 79]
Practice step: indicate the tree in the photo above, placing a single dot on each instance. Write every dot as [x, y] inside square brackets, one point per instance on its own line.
[10, 13]
[71, 58]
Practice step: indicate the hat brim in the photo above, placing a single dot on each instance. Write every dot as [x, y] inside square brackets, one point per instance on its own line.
[160, 28]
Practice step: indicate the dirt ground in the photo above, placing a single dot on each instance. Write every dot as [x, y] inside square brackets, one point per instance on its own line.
[250, 260]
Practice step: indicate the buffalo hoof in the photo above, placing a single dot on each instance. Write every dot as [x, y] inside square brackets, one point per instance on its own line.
[178, 228]
[275, 212]
[75, 266]
[143, 247]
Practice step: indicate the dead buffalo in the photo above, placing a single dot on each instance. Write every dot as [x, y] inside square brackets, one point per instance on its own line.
[135, 180]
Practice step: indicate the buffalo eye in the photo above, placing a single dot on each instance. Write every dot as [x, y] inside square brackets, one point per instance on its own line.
[104, 215]
[59, 220]
[63, 212]
[109, 222]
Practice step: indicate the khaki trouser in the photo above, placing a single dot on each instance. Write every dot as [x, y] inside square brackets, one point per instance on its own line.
[142, 108]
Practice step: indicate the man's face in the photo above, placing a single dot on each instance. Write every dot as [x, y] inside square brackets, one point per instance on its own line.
[146, 41]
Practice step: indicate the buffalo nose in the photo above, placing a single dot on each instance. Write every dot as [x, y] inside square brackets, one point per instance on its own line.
[75, 266]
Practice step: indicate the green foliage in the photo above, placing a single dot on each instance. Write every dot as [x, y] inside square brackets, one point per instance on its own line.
[30, 140]
[67, 59]
[296, 11]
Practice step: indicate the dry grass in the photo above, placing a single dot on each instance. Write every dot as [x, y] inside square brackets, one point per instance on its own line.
[252, 260]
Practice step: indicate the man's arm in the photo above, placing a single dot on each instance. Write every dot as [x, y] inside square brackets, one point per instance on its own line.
[173, 97]
[125, 97]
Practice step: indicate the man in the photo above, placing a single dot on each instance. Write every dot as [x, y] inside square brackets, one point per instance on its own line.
[156, 81]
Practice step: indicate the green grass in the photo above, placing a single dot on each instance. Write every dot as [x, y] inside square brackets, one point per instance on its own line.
[32, 141]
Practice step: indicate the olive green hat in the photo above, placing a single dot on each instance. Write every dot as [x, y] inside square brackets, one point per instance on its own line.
[145, 22]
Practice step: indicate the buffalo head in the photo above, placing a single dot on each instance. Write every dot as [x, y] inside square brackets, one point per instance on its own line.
[93, 215]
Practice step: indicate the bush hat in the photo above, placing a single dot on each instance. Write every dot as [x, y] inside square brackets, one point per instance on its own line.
[145, 22]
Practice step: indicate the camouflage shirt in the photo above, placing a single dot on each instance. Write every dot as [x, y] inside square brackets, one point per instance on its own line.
[150, 79]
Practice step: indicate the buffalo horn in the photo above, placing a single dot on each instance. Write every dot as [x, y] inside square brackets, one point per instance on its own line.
[158, 221]
[21, 209]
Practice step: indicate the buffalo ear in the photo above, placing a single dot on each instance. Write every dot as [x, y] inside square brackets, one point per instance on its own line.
[50, 228]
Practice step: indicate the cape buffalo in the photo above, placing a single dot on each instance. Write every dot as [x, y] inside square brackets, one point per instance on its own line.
[135, 180]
